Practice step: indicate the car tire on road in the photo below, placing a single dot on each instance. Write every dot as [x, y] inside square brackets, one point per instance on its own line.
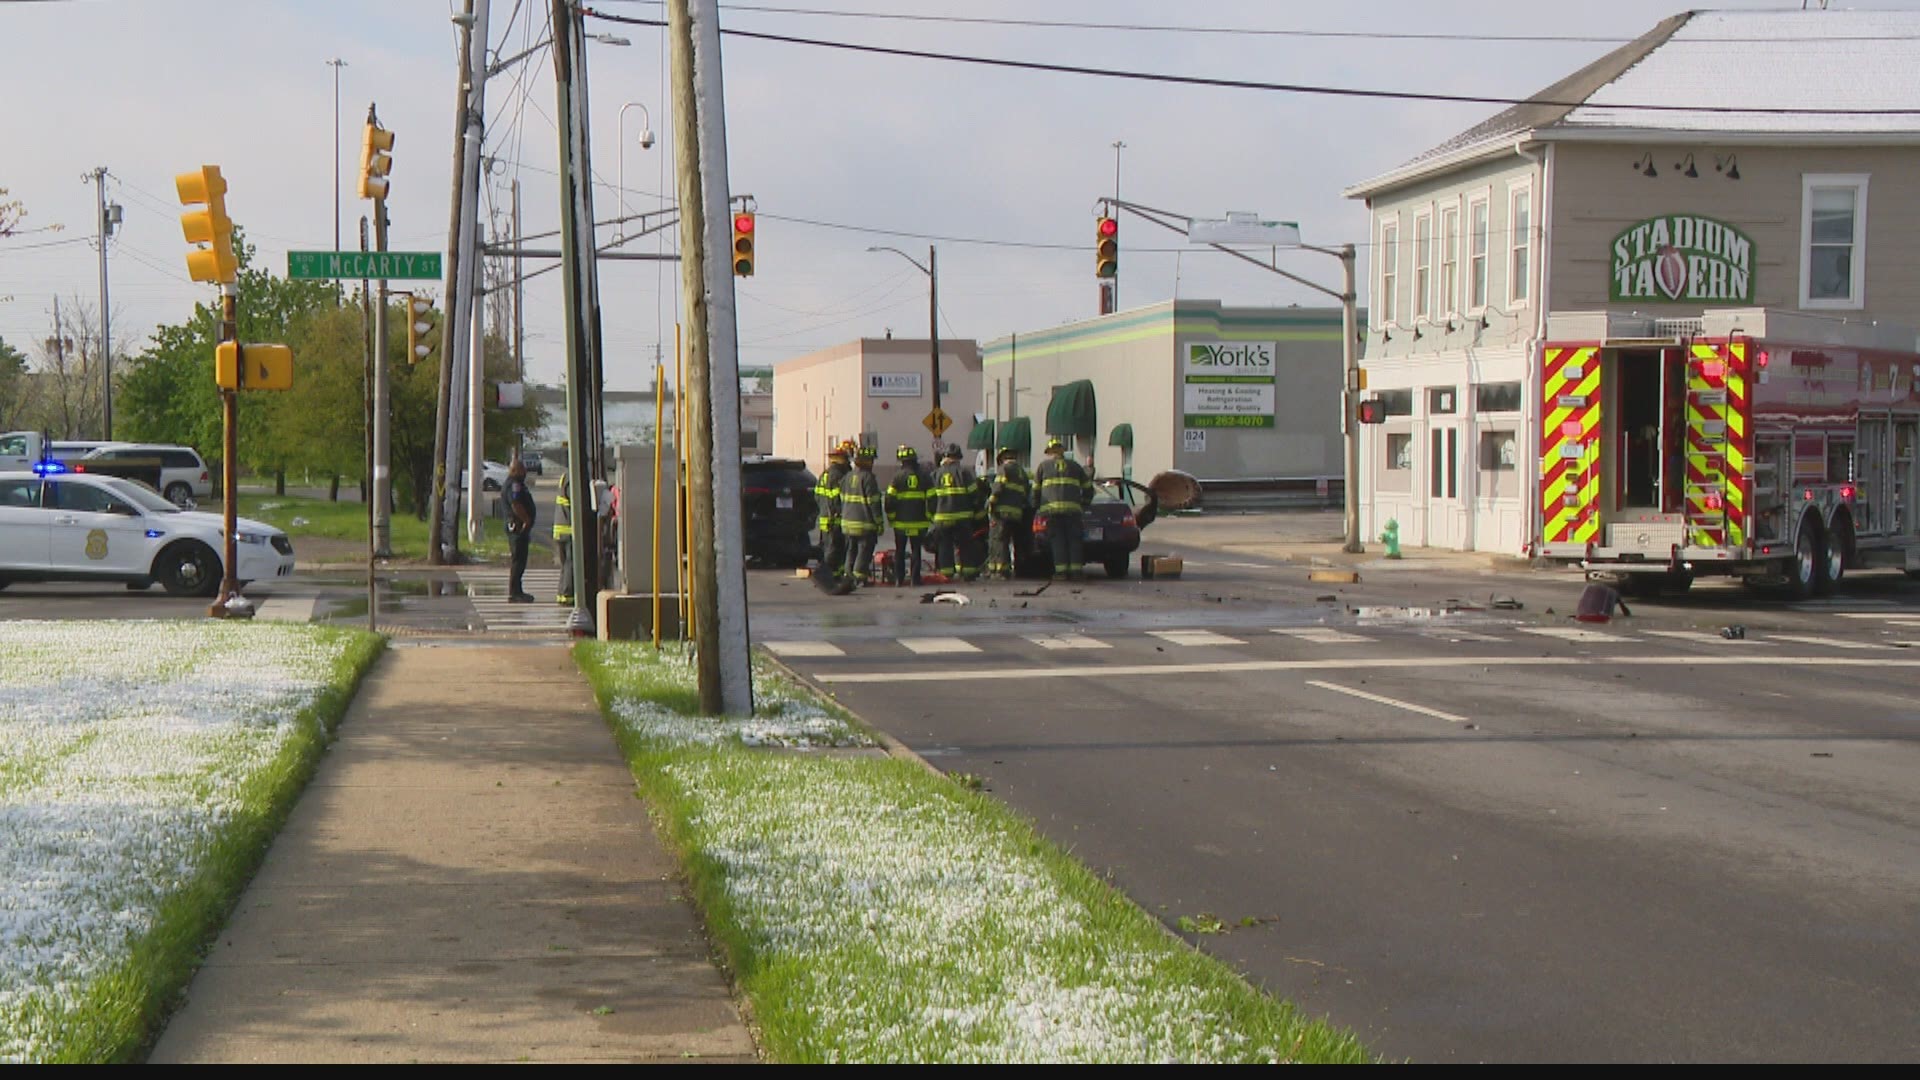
[188, 568]
[1117, 566]
[140, 586]
[180, 495]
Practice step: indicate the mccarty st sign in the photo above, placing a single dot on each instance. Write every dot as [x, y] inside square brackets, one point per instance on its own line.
[1228, 383]
[1681, 258]
[409, 265]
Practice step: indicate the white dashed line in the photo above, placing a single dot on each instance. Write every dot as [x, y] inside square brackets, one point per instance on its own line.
[1395, 702]
[926, 645]
[1067, 641]
[1573, 633]
[1808, 639]
[1322, 635]
[1704, 638]
[1195, 637]
[803, 648]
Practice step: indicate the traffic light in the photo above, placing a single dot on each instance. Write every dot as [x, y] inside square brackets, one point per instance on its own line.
[1373, 411]
[210, 226]
[418, 327]
[252, 367]
[376, 149]
[1106, 250]
[743, 244]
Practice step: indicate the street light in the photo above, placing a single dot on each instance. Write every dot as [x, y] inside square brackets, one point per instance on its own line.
[646, 142]
[933, 314]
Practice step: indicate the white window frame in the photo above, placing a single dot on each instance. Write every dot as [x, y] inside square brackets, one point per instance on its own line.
[1386, 305]
[1856, 297]
[1423, 271]
[1449, 304]
[1482, 199]
[1520, 286]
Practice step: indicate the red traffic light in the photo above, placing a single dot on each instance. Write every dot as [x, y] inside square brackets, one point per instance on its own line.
[1109, 227]
[1373, 411]
[743, 223]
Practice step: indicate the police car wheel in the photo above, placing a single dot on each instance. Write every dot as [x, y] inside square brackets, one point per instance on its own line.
[188, 568]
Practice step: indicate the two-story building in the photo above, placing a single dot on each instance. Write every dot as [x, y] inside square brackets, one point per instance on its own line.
[1611, 266]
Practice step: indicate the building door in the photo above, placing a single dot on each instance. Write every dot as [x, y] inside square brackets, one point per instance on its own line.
[1446, 511]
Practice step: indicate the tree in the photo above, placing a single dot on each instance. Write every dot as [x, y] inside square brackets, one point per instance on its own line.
[14, 401]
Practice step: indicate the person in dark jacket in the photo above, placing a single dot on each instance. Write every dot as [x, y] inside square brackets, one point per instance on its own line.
[826, 497]
[1007, 507]
[953, 512]
[863, 516]
[1063, 493]
[520, 518]
[907, 510]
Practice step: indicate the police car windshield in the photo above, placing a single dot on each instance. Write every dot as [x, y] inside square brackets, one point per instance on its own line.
[141, 496]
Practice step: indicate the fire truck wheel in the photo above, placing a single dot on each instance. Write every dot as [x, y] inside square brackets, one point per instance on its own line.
[1839, 550]
[1805, 570]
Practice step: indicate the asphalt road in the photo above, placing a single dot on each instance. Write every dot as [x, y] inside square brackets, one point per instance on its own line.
[1492, 835]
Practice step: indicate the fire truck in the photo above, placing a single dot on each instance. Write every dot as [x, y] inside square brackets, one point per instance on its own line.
[1779, 447]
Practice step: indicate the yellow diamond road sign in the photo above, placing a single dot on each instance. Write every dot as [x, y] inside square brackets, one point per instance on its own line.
[938, 421]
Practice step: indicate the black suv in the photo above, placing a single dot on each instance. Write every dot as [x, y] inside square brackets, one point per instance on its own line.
[776, 498]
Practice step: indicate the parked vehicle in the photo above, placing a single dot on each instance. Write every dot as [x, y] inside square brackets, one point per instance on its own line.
[776, 499]
[493, 476]
[536, 465]
[1767, 455]
[184, 478]
[1110, 526]
[81, 527]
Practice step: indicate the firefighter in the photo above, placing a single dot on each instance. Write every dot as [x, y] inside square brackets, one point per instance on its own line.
[907, 509]
[1063, 493]
[1008, 507]
[563, 540]
[863, 516]
[826, 497]
[953, 499]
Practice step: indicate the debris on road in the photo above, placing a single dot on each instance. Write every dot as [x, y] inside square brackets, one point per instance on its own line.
[1734, 633]
[1344, 577]
[944, 596]
[1504, 603]
[1597, 603]
[1034, 592]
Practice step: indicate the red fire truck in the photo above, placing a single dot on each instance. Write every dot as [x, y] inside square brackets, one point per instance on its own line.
[1779, 447]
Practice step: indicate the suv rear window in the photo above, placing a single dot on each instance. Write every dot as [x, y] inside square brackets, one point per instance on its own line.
[784, 473]
[180, 459]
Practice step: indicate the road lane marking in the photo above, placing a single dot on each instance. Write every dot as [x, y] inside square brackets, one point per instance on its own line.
[1098, 671]
[925, 645]
[1447, 633]
[1705, 638]
[1320, 635]
[1383, 700]
[1872, 615]
[1573, 633]
[1067, 641]
[1194, 637]
[1809, 639]
[1246, 565]
[803, 648]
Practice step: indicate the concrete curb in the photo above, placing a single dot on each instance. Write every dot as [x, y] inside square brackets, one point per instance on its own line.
[894, 747]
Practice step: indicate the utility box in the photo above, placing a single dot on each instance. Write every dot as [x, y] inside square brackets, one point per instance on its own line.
[636, 551]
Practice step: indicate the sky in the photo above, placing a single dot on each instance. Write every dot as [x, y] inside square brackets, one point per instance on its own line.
[999, 169]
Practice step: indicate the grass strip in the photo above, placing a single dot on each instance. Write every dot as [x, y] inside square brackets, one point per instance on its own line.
[162, 779]
[299, 516]
[874, 912]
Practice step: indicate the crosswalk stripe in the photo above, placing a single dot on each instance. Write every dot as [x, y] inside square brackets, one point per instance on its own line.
[926, 645]
[803, 648]
[1195, 637]
[1320, 635]
[1809, 639]
[1705, 638]
[1067, 641]
[1455, 633]
[1573, 633]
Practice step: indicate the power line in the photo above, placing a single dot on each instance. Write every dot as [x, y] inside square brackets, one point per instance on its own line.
[1248, 84]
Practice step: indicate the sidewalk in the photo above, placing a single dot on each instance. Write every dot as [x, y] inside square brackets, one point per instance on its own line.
[1309, 538]
[468, 877]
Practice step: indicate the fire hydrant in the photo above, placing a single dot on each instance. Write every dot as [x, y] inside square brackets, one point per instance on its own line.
[1390, 536]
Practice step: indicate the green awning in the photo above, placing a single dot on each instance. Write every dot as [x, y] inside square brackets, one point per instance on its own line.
[1072, 410]
[1017, 433]
[981, 437]
[1122, 436]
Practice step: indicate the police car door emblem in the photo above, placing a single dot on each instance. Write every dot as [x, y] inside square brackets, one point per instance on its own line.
[97, 544]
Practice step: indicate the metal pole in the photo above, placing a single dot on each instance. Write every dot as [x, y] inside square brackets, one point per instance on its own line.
[682, 519]
[933, 329]
[659, 433]
[477, 411]
[106, 339]
[366, 430]
[229, 449]
[336, 64]
[519, 296]
[1113, 283]
[456, 231]
[459, 319]
[380, 492]
[1349, 329]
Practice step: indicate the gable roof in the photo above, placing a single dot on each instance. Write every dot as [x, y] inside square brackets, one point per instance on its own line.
[1718, 60]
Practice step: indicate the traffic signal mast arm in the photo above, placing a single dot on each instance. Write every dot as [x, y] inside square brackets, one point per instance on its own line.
[1161, 218]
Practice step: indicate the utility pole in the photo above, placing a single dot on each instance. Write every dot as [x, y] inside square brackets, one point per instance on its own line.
[466, 118]
[107, 216]
[366, 437]
[713, 381]
[933, 321]
[576, 274]
[381, 495]
[461, 286]
[1113, 283]
[1349, 397]
[519, 327]
[476, 407]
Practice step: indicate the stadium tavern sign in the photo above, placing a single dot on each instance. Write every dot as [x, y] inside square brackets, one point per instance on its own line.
[1682, 259]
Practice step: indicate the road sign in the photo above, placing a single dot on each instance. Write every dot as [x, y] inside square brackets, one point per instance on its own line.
[938, 421]
[410, 265]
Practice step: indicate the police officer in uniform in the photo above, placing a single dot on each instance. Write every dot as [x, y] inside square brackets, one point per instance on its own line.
[1007, 507]
[1064, 492]
[907, 509]
[953, 511]
[863, 516]
[826, 497]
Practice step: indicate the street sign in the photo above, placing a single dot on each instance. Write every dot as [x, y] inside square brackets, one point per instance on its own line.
[410, 265]
[938, 421]
[1239, 227]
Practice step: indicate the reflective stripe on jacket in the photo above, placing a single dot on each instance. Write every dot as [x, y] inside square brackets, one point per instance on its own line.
[1063, 486]
[907, 501]
[1009, 499]
[953, 495]
[862, 512]
[826, 496]
[563, 513]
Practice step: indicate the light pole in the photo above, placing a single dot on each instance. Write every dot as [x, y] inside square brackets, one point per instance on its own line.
[1113, 284]
[933, 315]
[336, 64]
[646, 142]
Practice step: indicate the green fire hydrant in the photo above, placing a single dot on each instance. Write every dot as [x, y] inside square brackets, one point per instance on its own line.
[1390, 536]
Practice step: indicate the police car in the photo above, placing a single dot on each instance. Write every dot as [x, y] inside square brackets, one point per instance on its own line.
[61, 526]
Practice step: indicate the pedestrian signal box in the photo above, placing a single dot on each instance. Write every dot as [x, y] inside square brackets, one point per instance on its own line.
[252, 367]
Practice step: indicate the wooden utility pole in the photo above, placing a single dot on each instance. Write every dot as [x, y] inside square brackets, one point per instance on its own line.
[583, 319]
[456, 216]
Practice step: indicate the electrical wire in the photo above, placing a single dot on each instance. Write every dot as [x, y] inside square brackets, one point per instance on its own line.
[1283, 88]
[8, 249]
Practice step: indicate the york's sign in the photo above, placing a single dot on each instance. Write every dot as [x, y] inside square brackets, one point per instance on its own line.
[1682, 259]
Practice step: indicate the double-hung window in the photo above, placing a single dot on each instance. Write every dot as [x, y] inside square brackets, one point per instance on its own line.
[1387, 302]
[1520, 239]
[1833, 240]
[1449, 261]
[1422, 266]
[1477, 249]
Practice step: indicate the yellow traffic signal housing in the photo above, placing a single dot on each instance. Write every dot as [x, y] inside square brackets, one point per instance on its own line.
[1106, 256]
[210, 225]
[419, 326]
[376, 160]
[252, 367]
[743, 244]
